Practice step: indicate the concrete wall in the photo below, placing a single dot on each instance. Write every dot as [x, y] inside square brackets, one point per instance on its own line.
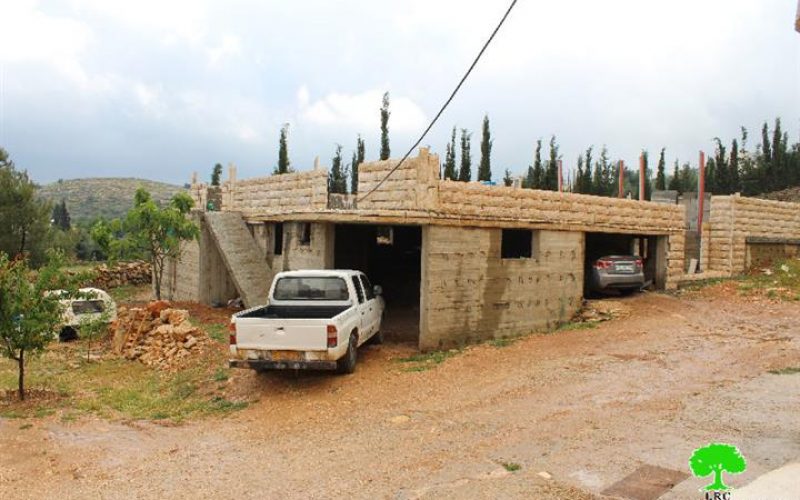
[411, 187]
[469, 293]
[277, 193]
[318, 254]
[200, 274]
[563, 211]
[734, 220]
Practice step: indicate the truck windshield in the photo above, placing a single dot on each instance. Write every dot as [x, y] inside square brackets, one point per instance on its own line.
[308, 288]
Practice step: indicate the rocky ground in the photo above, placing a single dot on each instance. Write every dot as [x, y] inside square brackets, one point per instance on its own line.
[563, 415]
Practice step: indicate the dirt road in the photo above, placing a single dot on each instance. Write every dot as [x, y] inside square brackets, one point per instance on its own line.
[586, 406]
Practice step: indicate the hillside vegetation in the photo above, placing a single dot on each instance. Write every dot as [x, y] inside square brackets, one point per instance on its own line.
[90, 198]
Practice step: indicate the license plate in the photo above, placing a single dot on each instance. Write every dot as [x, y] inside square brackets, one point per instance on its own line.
[625, 268]
[286, 356]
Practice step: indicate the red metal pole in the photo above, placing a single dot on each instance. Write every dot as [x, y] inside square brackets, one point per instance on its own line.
[701, 195]
[621, 188]
[560, 178]
[641, 177]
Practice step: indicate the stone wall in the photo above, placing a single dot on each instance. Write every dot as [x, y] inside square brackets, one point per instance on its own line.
[735, 219]
[564, 211]
[300, 191]
[469, 293]
[411, 187]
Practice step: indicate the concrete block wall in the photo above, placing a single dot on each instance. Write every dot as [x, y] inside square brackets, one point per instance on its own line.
[676, 252]
[566, 211]
[469, 294]
[299, 191]
[412, 187]
[182, 278]
[318, 254]
[733, 219]
[200, 274]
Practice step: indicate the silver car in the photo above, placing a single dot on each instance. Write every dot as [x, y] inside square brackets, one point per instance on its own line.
[617, 272]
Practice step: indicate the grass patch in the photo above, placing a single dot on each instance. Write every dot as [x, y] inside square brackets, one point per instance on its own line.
[780, 282]
[126, 293]
[578, 325]
[25, 426]
[217, 332]
[789, 370]
[504, 342]
[511, 466]
[700, 284]
[427, 360]
[117, 388]
[221, 375]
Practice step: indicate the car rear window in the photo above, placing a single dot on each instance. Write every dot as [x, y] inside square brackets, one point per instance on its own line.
[88, 307]
[311, 288]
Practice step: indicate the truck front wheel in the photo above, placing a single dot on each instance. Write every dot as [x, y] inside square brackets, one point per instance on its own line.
[347, 363]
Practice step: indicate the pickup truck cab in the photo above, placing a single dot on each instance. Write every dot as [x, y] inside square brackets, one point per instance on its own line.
[313, 320]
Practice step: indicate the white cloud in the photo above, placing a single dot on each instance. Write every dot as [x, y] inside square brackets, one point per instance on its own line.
[360, 111]
[230, 46]
[29, 36]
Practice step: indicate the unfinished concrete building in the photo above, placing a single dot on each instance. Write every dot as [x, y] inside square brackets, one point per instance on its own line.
[458, 262]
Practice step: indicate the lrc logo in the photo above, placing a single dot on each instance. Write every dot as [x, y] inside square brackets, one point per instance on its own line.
[716, 458]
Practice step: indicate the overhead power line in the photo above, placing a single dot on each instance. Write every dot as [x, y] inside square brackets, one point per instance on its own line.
[449, 99]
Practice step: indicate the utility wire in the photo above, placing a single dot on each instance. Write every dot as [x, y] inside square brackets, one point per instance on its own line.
[452, 95]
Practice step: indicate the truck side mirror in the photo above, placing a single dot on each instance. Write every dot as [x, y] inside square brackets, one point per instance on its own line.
[377, 290]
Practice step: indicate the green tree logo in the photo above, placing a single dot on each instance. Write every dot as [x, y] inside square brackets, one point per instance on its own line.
[714, 459]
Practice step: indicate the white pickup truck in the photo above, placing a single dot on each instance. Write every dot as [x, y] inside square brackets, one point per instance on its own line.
[314, 320]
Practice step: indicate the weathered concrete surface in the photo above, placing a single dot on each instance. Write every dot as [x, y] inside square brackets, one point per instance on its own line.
[469, 293]
[241, 254]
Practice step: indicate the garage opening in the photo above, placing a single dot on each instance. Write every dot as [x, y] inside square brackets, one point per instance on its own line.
[603, 272]
[391, 257]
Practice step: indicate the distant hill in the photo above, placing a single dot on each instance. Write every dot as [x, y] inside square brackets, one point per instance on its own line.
[108, 197]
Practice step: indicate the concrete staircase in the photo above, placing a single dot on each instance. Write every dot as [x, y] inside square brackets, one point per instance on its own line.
[242, 256]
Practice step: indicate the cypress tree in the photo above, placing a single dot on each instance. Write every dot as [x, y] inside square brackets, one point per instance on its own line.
[450, 159]
[675, 181]
[60, 216]
[485, 166]
[587, 183]
[712, 184]
[358, 159]
[606, 174]
[283, 152]
[385, 151]
[216, 174]
[661, 175]
[337, 179]
[578, 186]
[538, 170]
[766, 173]
[778, 155]
[734, 177]
[721, 184]
[551, 174]
[508, 181]
[465, 171]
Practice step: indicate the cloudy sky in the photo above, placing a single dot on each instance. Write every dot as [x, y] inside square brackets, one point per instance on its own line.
[161, 88]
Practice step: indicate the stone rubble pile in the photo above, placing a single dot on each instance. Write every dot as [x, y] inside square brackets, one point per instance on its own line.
[158, 336]
[122, 273]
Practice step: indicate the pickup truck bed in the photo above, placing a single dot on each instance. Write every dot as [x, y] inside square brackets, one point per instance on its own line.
[295, 312]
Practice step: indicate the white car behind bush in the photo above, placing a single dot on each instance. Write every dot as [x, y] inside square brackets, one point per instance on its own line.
[93, 304]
